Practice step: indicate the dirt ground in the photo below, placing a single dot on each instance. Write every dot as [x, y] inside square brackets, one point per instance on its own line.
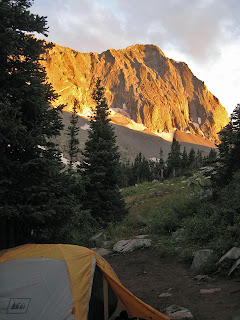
[147, 275]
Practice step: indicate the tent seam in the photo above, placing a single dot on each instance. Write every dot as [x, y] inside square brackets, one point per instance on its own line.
[91, 281]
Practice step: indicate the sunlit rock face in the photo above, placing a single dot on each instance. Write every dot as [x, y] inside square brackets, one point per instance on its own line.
[141, 84]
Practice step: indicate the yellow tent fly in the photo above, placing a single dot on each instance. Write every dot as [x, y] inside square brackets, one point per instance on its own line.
[63, 282]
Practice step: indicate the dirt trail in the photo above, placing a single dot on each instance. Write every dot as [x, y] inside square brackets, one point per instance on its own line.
[147, 275]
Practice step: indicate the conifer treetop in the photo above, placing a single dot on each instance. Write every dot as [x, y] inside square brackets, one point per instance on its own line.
[101, 111]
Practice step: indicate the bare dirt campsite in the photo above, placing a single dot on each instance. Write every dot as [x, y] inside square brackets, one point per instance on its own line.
[148, 275]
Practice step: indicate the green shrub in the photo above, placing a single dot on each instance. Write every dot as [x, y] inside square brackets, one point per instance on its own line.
[169, 217]
[128, 227]
[215, 224]
[164, 222]
[201, 226]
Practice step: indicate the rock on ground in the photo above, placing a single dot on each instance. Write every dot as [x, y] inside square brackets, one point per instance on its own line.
[108, 244]
[98, 239]
[234, 254]
[200, 259]
[131, 244]
[142, 236]
[165, 295]
[213, 290]
[175, 312]
[234, 267]
[202, 277]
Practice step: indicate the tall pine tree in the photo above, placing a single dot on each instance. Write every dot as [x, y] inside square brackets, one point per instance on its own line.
[192, 159]
[184, 164]
[73, 142]
[229, 150]
[141, 169]
[161, 164]
[33, 190]
[101, 167]
[174, 158]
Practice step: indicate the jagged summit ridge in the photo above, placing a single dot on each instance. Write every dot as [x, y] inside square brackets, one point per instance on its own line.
[142, 84]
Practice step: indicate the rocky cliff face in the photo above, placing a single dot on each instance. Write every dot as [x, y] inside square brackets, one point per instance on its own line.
[141, 84]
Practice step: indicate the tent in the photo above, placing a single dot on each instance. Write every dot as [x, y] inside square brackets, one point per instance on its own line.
[63, 282]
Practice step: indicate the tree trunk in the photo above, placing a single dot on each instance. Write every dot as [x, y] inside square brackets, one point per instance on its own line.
[174, 172]
[162, 174]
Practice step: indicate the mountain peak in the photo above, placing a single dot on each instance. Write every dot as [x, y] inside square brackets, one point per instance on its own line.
[146, 47]
[142, 84]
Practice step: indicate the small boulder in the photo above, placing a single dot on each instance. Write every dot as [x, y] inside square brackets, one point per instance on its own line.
[108, 244]
[213, 290]
[233, 254]
[175, 312]
[98, 239]
[142, 236]
[202, 277]
[200, 259]
[165, 295]
[234, 267]
[131, 244]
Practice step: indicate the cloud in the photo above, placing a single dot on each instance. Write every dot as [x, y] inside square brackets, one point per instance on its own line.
[198, 32]
[196, 27]
[81, 24]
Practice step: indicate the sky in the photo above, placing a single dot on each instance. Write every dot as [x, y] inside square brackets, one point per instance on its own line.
[205, 34]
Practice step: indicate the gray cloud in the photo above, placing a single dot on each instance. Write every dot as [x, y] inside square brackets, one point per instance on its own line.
[195, 27]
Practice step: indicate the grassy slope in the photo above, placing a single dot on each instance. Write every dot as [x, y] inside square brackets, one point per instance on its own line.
[158, 209]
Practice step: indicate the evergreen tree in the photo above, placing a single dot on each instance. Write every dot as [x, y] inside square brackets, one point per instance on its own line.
[33, 195]
[192, 159]
[199, 159]
[73, 142]
[161, 164]
[141, 169]
[184, 159]
[235, 151]
[151, 170]
[126, 172]
[100, 167]
[212, 157]
[229, 150]
[157, 167]
[174, 158]
[225, 147]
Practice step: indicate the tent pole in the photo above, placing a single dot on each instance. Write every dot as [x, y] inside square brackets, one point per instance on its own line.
[105, 295]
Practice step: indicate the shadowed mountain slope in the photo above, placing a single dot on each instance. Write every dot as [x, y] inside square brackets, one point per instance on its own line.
[130, 142]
